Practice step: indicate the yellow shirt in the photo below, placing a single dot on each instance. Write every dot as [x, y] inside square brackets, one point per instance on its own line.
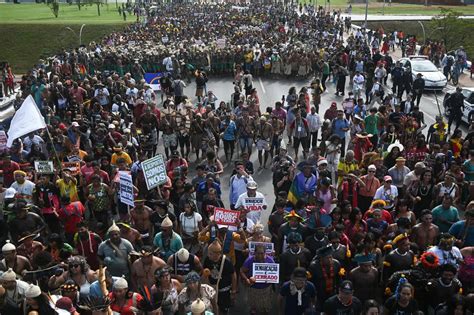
[345, 168]
[124, 155]
[68, 189]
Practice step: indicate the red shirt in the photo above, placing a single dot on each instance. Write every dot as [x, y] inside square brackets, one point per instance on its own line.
[71, 215]
[8, 177]
[133, 300]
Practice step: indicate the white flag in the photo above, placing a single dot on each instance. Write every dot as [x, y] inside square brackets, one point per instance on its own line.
[27, 119]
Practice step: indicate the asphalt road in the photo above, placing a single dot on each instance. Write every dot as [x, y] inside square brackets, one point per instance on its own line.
[270, 91]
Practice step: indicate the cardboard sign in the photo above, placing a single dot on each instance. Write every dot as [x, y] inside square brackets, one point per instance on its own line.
[266, 273]
[220, 43]
[269, 247]
[44, 167]
[254, 204]
[154, 170]
[126, 189]
[226, 217]
[74, 167]
[3, 141]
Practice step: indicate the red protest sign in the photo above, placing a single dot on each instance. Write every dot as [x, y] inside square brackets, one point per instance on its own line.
[226, 217]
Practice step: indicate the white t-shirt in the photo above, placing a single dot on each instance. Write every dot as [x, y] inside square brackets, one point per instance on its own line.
[254, 205]
[190, 224]
[452, 257]
[387, 195]
[25, 189]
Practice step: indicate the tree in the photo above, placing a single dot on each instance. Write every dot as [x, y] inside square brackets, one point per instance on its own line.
[452, 30]
[54, 6]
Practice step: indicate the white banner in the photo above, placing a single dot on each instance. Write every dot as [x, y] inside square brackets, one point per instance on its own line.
[126, 189]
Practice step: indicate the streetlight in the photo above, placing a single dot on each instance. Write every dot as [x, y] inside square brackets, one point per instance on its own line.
[80, 33]
[366, 10]
[423, 29]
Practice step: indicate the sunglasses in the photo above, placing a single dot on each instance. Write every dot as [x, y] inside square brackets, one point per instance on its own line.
[371, 171]
[74, 266]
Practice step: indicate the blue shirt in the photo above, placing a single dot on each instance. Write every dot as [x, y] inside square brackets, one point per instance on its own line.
[229, 130]
[458, 228]
[94, 289]
[338, 124]
[175, 245]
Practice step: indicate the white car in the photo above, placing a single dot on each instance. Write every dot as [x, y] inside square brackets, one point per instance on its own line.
[434, 79]
[468, 113]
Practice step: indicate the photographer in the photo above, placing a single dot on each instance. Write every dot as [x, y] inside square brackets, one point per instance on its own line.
[283, 177]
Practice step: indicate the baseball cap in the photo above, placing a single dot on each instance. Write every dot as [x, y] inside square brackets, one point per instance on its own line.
[346, 287]
[252, 185]
[387, 178]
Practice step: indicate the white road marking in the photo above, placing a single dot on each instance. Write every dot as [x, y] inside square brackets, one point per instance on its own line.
[261, 85]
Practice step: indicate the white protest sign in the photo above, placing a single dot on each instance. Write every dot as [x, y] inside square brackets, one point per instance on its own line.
[266, 272]
[3, 141]
[220, 43]
[154, 170]
[254, 204]
[126, 189]
[44, 167]
[269, 248]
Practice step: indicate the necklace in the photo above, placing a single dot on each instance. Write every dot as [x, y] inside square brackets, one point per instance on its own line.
[398, 252]
[371, 183]
[328, 279]
[424, 190]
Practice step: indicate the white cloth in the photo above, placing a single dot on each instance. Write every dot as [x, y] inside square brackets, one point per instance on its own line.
[452, 257]
[26, 119]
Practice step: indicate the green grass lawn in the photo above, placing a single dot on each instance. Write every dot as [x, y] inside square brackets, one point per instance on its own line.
[32, 13]
[30, 32]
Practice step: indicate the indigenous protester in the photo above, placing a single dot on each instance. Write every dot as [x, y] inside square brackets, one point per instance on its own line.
[119, 200]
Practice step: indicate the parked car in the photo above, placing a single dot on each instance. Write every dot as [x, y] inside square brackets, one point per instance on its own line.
[468, 113]
[434, 79]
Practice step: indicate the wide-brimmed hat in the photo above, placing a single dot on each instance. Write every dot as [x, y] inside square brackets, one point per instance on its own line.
[27, 236]
[395, 145]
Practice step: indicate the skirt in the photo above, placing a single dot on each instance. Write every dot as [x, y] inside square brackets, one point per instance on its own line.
[260, 300]
[200, 92]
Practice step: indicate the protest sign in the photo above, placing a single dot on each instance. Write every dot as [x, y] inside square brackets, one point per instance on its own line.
[3, 141]
[74, 167]
[226, 217]
[126, 189]
[154, 171]
[44, 167]
[269, 249]
[220, 43]
[254, 204]
[266, 272]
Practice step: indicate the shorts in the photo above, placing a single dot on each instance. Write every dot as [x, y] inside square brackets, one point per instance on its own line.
[170, 140]
[263, 145]
[304, 143]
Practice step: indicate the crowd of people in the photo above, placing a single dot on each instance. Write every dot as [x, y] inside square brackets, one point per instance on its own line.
[371, 213]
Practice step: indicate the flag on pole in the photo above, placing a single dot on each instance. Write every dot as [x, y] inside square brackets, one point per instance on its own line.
[27, 119]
